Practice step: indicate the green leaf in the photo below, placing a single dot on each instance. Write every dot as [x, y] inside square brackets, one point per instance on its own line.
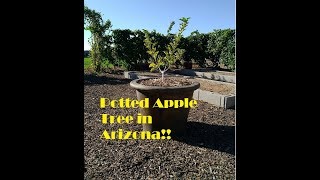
[152, 65]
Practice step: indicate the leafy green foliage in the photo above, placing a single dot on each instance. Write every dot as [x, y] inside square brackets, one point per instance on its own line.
[132, 50]
[107, 65]
[95, 24]
[87, 63]
[128, 48]
[228, 54]
[163, 60]
[221, 45]
[123, 64]
[196, 47]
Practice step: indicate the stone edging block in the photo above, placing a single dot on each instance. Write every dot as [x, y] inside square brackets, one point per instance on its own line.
[225, 101]
[208, 75]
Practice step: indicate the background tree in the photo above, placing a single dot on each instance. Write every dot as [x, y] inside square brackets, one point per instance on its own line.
[172, 52]
[196, 48]
[221, 45]
[228, 52]
[122, 48]
[98, 40]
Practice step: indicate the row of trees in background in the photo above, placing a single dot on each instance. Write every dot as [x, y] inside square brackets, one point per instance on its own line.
[125, 48]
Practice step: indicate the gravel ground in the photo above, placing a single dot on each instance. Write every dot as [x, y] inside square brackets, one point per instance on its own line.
[206, 152]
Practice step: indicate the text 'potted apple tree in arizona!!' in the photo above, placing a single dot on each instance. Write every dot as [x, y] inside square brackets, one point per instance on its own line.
[166, 88]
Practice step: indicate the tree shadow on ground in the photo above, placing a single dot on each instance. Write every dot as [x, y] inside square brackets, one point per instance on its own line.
[215, 137]
[90, 79]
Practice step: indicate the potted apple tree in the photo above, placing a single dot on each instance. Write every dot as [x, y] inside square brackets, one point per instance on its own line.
[165, 88]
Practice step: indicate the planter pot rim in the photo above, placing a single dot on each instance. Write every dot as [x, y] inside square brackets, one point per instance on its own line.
[136, 84]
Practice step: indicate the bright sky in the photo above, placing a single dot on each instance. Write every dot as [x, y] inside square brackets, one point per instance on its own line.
[205, 15]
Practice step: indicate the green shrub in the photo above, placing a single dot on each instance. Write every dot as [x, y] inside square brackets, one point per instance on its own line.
[164, 60]
[221, 45]
[98, 27]
[106, 64]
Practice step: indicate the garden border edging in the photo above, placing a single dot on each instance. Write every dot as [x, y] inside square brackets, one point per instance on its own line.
[208, 75]
[224, 101]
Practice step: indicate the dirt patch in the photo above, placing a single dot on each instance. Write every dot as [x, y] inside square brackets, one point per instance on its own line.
[168, 82]
[149, 74]
[224, 73]
[216, 87]
[218, 72]
[154, 74]
[206, 152]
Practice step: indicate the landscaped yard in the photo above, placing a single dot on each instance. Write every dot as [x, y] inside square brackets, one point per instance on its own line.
[190, 132]
[206, 152]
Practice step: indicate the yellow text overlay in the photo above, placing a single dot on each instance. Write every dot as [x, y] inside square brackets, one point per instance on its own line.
[128, 103]
[120, 134]
[109, 119]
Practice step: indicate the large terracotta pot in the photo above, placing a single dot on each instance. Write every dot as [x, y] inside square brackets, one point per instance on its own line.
[165, 118]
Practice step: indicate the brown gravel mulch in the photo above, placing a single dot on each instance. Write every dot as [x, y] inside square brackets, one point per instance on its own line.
[206, 152]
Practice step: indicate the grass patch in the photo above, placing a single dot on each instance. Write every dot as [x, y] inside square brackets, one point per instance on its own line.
[105, 65]
[87, 63]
